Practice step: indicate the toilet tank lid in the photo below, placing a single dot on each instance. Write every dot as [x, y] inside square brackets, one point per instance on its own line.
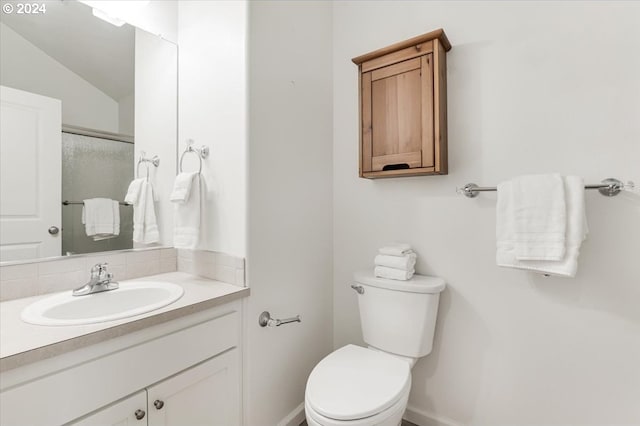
[417, 284]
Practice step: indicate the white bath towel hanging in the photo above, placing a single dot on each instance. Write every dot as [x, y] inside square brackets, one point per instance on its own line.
[145, 227]
[186, 229]
[182, 187]
[101, 218]
[134, 191]
[576, 231]
[539, 217]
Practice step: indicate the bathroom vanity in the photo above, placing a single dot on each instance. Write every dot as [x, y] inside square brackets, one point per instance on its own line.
[180, 364]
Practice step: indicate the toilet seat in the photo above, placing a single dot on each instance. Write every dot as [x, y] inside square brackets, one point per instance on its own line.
[392, 416]
[356, 383]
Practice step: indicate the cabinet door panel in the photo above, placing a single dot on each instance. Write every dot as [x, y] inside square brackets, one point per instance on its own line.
[121, 413]
[207, 394]
[396, 114]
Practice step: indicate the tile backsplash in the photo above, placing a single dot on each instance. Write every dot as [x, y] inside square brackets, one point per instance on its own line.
[30, 279]
[213, 265]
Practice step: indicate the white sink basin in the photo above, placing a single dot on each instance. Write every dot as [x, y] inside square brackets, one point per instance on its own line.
[132, 298]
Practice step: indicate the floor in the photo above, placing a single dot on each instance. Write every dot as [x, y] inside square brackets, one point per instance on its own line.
[404, 423]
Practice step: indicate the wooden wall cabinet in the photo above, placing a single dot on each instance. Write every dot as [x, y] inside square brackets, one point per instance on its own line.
[403, 108]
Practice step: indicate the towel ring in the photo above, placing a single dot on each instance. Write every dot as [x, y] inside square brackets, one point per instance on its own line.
[155, 160]
[202, 153]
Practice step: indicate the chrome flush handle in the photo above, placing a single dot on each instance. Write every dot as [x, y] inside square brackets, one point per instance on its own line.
[358, 288]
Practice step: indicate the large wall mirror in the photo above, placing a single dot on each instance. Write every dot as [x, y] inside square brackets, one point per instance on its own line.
[83, 99]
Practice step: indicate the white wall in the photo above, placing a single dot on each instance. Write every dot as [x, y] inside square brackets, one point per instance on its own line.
[26, 67]
[159, 17]
[289, 238]
[532, 88]
[156, 103]
[126, 114]
[212, 112]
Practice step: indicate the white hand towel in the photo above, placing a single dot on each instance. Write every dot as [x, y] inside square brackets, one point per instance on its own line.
[406, 262]
[393, 274]
[186, 229]
[540, 217]
[134, 191]
[145, 227]
[182, 187]
[576, 232]
[116, 224]
[395, 249]
[100, 218]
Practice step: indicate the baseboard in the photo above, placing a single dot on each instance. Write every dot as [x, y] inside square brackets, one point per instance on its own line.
[421, 418]
[294, 418]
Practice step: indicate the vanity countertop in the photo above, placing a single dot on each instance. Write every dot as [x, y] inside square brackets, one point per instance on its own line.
[22, 343]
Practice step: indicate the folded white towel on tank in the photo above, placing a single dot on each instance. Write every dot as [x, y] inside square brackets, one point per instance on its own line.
[406, 262]
[395, 249]
[393, 273]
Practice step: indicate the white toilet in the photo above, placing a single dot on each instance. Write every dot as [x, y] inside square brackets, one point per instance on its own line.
[356, 386]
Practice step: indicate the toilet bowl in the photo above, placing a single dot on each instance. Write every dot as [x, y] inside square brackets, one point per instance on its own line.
[356, 386]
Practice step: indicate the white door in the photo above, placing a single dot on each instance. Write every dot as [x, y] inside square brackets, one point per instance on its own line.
[205, 395]
[130, 411]
[30, 175]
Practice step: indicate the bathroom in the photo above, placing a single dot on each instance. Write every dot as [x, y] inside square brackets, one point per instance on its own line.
[270, 88]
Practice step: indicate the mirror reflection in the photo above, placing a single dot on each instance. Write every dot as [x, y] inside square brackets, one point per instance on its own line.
[81, 99]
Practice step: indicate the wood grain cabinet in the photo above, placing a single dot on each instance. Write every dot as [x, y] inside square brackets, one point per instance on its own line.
[403, 108]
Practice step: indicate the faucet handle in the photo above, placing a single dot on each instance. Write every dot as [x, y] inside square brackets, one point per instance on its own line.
[98, 269]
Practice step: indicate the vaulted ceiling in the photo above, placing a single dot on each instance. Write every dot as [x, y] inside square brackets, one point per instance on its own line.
[97, 51]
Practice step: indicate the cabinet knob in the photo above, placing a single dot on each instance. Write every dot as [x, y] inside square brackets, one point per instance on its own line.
[139, 414]
[158, 404]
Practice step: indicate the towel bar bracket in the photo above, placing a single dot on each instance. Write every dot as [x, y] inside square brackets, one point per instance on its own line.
[609, 187]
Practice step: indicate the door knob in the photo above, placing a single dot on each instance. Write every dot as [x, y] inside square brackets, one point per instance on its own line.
[53, 230]
[158, 404]
[139, 414]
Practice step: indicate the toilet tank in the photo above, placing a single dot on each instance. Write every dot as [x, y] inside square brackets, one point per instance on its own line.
[399, 316]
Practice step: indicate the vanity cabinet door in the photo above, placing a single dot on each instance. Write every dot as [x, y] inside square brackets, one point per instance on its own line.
[206, 394]
[130, 411]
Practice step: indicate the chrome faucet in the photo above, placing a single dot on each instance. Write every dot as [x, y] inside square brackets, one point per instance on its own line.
[100, 281]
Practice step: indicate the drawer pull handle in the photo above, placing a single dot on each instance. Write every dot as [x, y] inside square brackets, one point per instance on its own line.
[139, 414]
[158, 404]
